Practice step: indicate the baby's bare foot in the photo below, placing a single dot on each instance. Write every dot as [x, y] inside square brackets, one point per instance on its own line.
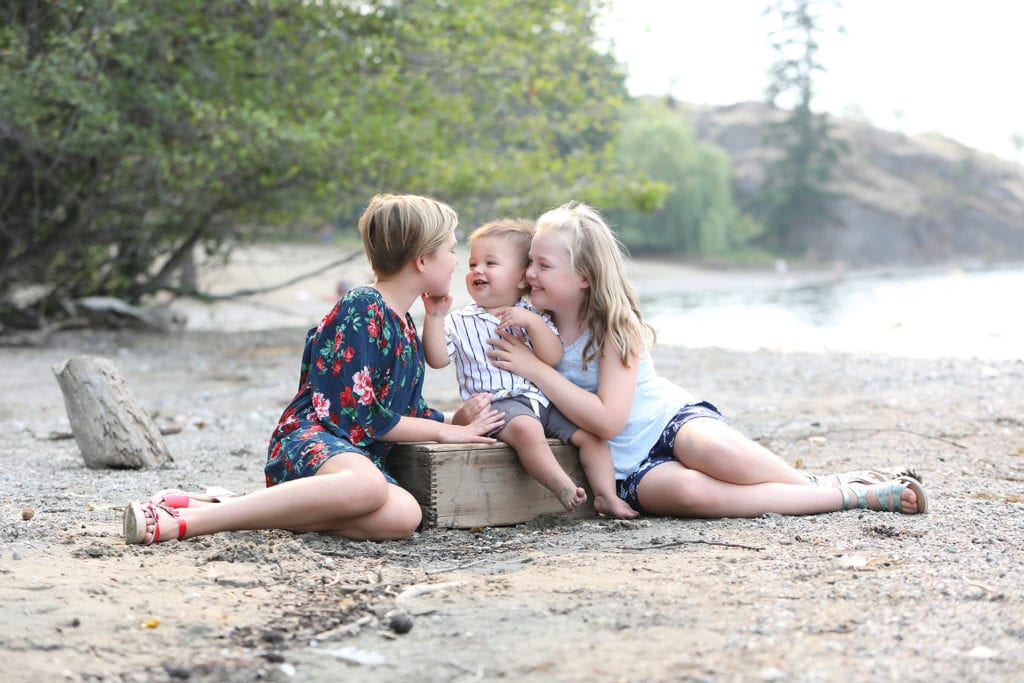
[571, 497]
[614, 507]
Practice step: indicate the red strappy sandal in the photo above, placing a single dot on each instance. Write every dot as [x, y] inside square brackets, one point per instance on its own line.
[137, 516]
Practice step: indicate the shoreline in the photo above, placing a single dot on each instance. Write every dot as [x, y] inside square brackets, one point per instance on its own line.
[301, 304]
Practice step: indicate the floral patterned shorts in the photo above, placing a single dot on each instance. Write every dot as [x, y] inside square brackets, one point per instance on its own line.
[661, 451]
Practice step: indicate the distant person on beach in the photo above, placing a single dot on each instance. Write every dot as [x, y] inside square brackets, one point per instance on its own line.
[673, 454]
[360, 390]
[498, 257]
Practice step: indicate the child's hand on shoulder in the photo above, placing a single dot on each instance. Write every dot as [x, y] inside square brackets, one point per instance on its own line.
[436, 305]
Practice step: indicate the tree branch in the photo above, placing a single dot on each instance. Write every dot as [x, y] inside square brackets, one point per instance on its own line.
[671, 544]
[196, 294]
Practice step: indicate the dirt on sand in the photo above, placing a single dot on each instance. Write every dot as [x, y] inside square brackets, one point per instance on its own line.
[872, 596]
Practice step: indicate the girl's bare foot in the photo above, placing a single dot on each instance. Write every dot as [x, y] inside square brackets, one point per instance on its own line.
[614, 506]
[571, 497]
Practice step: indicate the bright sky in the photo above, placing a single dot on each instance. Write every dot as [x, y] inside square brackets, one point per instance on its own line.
[954, 67]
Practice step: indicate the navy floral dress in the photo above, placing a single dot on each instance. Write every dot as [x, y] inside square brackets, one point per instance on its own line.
[362, 369]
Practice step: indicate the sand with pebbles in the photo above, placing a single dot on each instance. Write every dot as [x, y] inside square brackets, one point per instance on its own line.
[870, 595]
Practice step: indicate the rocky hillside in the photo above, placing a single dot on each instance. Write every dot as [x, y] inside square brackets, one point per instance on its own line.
[903, 200]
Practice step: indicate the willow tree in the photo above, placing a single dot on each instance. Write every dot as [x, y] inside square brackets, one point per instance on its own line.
[698, 215]
[133, 133]
[795, 196]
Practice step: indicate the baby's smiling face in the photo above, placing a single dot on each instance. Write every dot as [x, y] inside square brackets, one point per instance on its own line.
[495, 278]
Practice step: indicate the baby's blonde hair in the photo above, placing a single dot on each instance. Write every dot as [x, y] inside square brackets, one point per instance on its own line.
[610, 309]
[518, 231]
[396, 228]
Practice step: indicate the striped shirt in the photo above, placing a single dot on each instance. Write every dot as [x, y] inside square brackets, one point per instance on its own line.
[466, 332]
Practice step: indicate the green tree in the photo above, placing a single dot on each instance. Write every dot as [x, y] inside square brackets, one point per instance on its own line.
[132, 133]
[698, 216]
[795, 197]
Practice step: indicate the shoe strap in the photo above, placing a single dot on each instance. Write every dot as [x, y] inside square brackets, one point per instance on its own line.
[891, 493]
[156, 522]
[154, 511]
[860, 492]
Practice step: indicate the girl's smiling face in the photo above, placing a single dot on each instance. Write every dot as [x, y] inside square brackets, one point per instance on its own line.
[440, 267]
[554, 285]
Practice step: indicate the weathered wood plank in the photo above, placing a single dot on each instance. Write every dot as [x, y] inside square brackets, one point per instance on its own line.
[468, 485]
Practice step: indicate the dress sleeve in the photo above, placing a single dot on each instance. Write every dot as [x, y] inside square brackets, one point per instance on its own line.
[428, 413]
[351, 356]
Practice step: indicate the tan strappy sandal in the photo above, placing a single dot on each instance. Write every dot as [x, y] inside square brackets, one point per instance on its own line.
[176, 498]
[865, 477]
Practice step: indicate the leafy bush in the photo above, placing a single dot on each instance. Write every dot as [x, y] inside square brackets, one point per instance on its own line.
[134, 133]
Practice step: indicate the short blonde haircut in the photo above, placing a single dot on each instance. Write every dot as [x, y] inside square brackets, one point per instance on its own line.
[518, 231]
[396, 228]
[610, 310]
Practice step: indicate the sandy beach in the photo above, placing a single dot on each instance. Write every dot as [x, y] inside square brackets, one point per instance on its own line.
[863, 595]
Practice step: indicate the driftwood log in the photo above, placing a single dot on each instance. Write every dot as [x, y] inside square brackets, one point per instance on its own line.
[110, 427]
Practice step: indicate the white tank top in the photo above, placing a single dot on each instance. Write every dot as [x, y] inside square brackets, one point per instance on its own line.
[655, 403]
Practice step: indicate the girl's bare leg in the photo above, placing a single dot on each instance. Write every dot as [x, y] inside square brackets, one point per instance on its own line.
[526, 435]
[716, 449]
[673, 490]
[397, 518]
[345, 488]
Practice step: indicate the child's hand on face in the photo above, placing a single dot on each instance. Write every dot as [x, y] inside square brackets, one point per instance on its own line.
[436, 305]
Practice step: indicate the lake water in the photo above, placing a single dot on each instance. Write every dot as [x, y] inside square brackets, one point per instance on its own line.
[948, 314]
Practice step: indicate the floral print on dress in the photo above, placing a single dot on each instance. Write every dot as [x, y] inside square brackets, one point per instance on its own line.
[362, 370]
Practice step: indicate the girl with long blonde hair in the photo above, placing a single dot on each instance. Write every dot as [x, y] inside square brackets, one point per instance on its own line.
[672, 453]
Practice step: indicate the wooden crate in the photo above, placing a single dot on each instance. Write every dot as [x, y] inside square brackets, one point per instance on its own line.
[470, 485]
